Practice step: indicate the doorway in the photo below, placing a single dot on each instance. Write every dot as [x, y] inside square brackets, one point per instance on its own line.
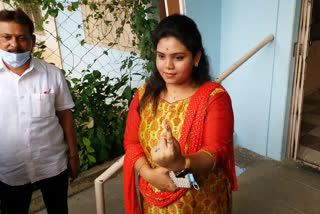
[309, 150]
[304, 128]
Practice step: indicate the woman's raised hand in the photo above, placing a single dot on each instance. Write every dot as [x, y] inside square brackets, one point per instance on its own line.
[167, 152]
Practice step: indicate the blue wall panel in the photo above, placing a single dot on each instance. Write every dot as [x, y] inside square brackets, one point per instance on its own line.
[207, 15]
[244, 24]
[287, 30]
[261, 88]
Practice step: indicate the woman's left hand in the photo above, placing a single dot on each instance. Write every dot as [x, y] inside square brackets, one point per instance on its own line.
[167, 152]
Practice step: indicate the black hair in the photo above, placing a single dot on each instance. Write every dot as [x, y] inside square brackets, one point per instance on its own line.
[17, 16]
[186, 31]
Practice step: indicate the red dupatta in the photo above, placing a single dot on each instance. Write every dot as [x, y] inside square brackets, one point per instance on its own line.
[192, 130]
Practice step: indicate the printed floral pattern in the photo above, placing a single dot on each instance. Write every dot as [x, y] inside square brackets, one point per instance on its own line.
[215, 192]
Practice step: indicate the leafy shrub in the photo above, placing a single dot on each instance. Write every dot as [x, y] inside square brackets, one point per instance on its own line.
[101, 108]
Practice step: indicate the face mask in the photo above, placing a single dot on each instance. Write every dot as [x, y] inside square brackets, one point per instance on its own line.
[15, 60]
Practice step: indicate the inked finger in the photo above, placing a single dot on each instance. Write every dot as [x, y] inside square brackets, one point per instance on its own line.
[169, 132]
[162, 142]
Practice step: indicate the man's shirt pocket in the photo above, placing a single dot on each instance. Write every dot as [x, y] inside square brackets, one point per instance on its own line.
[43, 105]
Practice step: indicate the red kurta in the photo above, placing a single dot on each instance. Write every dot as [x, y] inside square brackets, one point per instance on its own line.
[206, 123]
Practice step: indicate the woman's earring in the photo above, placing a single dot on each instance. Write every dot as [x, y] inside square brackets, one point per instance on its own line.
[196, 64]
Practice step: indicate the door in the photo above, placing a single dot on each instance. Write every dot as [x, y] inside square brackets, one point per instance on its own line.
[169, 7]
[301, 51]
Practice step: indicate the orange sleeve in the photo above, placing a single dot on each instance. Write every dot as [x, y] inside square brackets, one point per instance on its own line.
[218, 127]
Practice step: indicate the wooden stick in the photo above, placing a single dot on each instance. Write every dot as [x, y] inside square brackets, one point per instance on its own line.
[243, 59]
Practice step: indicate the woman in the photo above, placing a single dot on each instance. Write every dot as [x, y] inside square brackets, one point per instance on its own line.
[177, 121]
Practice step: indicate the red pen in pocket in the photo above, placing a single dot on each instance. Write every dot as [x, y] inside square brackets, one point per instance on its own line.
[47, 92]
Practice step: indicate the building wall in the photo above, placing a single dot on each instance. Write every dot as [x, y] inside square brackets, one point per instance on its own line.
[286, 36]
[244, 25]
[207, 15]
[261, 88]
[77, 57]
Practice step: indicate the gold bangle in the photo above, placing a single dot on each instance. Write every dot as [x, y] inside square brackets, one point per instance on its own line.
[141, 167]
[214, 159]
[205, 151]
[187, 163]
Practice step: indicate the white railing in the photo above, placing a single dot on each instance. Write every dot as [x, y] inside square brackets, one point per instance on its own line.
[106, 175]
[99, 184]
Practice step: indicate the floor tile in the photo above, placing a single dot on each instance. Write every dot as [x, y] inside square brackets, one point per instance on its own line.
[311, 142]
[309, 108]
[312, 119]
[315, 132]
[306, 128]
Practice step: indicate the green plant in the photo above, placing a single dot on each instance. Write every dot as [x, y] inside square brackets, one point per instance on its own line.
[39, 49]
[101, 107]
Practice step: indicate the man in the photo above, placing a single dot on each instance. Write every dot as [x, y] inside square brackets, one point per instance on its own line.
[35, 121]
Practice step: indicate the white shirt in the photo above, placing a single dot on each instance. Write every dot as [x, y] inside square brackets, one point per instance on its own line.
[32, 144]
